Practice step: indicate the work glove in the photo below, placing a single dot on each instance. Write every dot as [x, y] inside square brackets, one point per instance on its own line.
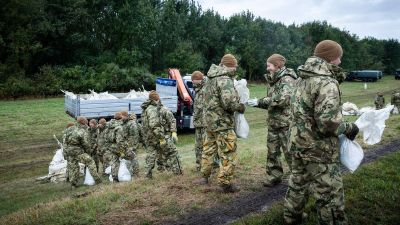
[175, 137]
[121, 154]
[163, 142]
[352, 131]
[242, 108]
[252, 102]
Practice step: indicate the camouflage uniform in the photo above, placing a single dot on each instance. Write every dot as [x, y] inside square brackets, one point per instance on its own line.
[379, 101]
[158, 123]
[198, 121]
[317, 123]
[281, 88]
[133, 139]
[101, 148]
[112, 152]
[221, 101]
[396, 99]
[92, 133]
[76, 145]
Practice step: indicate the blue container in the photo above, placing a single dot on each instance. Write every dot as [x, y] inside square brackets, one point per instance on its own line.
[166, 81]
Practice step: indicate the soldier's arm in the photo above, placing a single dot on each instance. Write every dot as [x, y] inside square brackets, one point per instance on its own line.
[171, 121]
[327, 110]
[85, 141]
[229, 97]
[120, 139]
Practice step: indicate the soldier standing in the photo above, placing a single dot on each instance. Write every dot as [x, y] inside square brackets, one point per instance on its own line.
[159, 131]
[101, 149]
[221, 102]
[396, 100]
[76, 145]
[92, 131]
[113, 152]
[281, 81]
[198, 81]
[318, 122]
[129, 134]
[379, 101]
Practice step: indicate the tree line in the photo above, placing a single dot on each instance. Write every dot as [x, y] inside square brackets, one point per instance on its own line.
[111, 45]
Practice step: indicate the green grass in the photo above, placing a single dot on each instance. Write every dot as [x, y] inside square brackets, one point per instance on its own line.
[372, 195]
[27, 146]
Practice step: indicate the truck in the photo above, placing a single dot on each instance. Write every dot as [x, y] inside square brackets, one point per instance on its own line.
[365, 75]
[176, 93]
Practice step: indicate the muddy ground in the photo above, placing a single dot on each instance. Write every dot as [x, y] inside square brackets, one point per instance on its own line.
[257, 201]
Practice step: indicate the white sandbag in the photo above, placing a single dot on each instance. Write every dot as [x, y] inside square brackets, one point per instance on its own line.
[241, 126]
[349, 109]
[372, 124]
[58, 163]
[395, 110]
[365, 109]
[351, 153]
[243, 91]
[88, 178]
[123, 172]
[102, 96]
[108, 170]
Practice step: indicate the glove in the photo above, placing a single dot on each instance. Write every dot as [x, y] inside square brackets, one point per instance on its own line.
[121, 153]
[242, 108]
[352, 131]
[175, 137]
[163, 142]
[252, 102]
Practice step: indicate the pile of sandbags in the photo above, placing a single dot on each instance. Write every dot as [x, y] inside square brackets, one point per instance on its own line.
[102, 96]
[137, 94]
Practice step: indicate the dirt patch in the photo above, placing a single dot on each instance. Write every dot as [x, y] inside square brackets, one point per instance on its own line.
[257, 201]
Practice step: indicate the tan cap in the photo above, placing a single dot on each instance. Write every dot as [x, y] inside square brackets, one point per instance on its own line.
[153, 95]
[229, 60]
[277, 60]
[197, 75]
[328, 50]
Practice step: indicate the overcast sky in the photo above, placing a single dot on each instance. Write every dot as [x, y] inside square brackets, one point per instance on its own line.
[365, 18]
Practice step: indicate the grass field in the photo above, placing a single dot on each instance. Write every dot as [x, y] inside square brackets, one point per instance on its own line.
[26, 148]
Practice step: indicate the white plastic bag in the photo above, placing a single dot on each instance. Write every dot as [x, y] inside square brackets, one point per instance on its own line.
[243, 91]
[349, 109]
[88, 178]
[58, 163]
[241, 126]
[123, 172]
[395, 110]
[351, 153]
[372, 124]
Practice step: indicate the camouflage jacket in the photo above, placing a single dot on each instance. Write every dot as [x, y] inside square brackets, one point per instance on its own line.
[198, 114]
[121, 135]
[110, 135]
[92, 132]
[395, 98]
[133, 134]
[318, 119]
[101, 140]
[158, 122]
[76, 140]
[221, 99]
[278, 101]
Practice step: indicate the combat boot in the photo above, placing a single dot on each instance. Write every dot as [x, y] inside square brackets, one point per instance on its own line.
[271, 183]
[230, 188]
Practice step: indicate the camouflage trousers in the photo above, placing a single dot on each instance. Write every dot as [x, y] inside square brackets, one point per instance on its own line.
[223, 144]
[132, 162]
[112, 159]
[168, 151]
[73, 167]
[277, 142]
[198, 146]
[379, 106]
[324, 182]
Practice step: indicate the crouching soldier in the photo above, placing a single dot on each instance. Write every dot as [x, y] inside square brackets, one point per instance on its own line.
[159, 131]
[76, 144]
[379, 101]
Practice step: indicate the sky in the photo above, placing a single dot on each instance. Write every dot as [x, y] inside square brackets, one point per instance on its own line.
[365, 18]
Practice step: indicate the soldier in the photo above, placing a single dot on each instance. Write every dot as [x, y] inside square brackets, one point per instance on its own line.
[198, 81]
[221, 102]
[92, 131]
[113, 152]
[318, 122]
[101, 149]
[379, 101]
[76, 145]
[159, 131]
[396, 100]
[130, 136]
[281, 81]
[67, 130]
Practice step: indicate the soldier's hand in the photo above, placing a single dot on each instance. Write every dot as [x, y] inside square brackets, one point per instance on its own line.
[242, 108]
[163, 142]
[175, 137]
[252, 102]
[352, 132]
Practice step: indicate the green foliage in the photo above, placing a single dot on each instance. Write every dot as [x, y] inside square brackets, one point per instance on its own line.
[98, 43]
